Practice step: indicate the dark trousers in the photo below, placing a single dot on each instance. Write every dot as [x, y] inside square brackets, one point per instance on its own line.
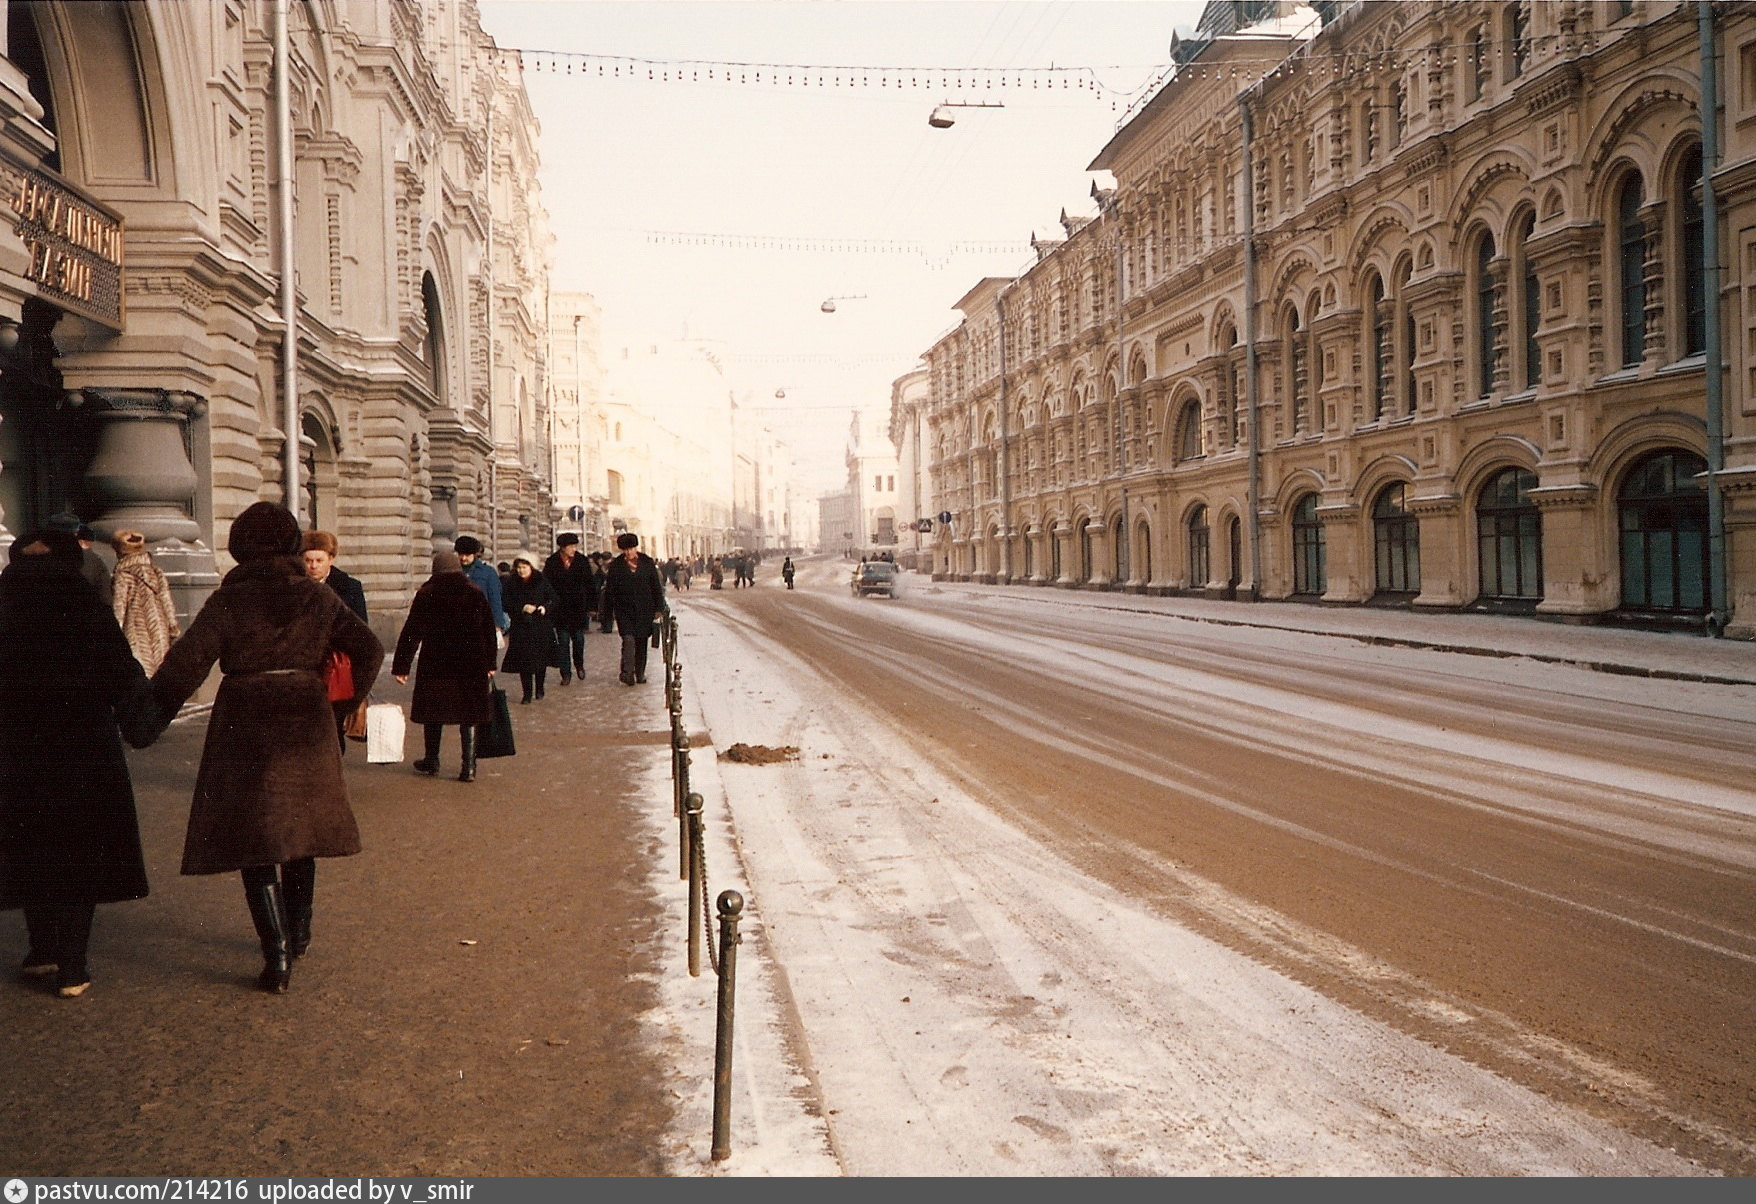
[60, 932]
[634, 654]
[571, 641]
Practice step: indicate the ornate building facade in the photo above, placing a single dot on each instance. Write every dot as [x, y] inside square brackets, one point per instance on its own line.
[1395, 303]
[142, 377]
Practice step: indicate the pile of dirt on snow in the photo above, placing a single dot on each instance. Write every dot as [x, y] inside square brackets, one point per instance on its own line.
[759, 754]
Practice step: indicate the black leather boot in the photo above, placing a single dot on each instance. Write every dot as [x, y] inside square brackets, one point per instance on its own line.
[529, 684]
[298, 881]
[267, 912]
[433, 733]
[542, 677]
[468, 773]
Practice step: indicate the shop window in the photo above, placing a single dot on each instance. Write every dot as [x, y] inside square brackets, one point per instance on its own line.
[1396, 542]
[1662, 509]
[1199, 561]
[1509, 537]
[1310, 568]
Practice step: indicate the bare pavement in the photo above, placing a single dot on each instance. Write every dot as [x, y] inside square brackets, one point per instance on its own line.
[471, 1004]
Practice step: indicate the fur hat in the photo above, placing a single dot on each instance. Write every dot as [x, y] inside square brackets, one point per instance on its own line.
[446, 562]
[57, 546]
[627, 539]
[127, 543]
[263, 530]
[467, 545]
[321, 541]
[566, 539]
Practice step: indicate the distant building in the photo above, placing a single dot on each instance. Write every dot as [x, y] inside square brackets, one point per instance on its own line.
[1474, 375]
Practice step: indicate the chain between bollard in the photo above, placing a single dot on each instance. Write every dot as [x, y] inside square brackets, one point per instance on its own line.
[699, 924]
[731, 904]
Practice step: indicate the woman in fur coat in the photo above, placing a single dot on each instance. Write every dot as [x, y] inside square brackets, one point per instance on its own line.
[269, 797]
[142, 600]
[451, 627]
[69, 838]
[530, 641]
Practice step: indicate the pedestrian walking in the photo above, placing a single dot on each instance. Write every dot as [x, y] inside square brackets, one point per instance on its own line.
[141, 601]
[320, 549]
[571, 576]
[634, 593]
[70, 688]
[530, 642]
[483, 576]
[601, 565]
[716, 573]
[269, 796]
[448, 638]
[786, 571]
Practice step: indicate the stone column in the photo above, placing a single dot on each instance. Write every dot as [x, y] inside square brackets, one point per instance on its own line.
[444, 517]
[141, 477]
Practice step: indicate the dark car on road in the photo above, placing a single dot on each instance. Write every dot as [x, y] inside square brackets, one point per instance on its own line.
[875, 577]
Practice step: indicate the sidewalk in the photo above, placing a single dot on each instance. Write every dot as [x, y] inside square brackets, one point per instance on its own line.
[472, 1003]
[1677, 655]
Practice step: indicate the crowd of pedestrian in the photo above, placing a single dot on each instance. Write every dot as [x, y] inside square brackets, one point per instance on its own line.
[93, 656]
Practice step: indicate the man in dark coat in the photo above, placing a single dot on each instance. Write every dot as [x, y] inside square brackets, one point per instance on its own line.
[482, 574]
[69, 837]
[634, 594]
[452, 629]
[575, 584]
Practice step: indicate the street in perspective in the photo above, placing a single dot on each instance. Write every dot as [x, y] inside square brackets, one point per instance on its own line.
[797, 590]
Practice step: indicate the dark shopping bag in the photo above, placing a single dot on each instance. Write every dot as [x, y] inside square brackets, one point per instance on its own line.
[494, 738]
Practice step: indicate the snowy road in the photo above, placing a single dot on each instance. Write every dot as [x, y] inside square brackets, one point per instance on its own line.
[1057, 889]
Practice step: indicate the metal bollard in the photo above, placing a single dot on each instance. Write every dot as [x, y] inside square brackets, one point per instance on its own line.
[697, 892]
[731, 905]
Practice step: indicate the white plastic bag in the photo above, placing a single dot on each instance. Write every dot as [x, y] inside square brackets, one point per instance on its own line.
[384, 732]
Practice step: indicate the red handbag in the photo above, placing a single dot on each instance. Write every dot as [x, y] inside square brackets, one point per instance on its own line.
[338, 674]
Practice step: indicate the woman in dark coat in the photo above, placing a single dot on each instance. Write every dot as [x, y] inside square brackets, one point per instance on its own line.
[269, 796]
[451, 627]
[69, 839]
[530, 641]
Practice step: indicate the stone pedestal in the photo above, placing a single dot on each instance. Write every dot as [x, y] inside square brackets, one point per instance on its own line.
[141, 477]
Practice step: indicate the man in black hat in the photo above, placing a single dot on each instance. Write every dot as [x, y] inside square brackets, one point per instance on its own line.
[634, 594]
[575, 584]
[482, 576]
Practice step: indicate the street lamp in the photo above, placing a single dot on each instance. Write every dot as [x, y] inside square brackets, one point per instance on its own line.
[828, 305]
[941, 119]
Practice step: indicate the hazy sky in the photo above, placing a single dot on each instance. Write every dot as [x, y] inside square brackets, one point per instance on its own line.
[628, 163]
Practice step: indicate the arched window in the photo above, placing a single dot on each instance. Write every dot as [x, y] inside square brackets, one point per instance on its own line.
[1478, 65]
[1486, 297]
[1199, 561]
[1309, 562]
[1509, 536]
[433, 348]
[1379, 372]
[1396, 541]
[1225, 391]
[1631, 269]
[613, 486]
[1689, 238]
[1143, 533]
[1298, 368]
[1530, 366]
[1189, 432]
[1405, 353]
[1663, 517]
[1518, 38]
